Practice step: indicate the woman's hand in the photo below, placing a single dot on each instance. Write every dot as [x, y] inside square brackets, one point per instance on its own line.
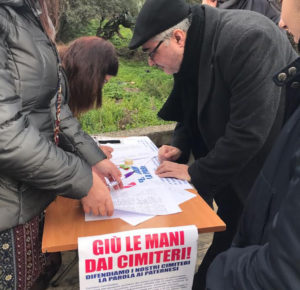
[107, 150]
[98, 201]
[106, 168]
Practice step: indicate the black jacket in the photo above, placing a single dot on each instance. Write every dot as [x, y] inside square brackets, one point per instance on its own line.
[265, 254]
[265, 7]
[33, 169]
[239, 110]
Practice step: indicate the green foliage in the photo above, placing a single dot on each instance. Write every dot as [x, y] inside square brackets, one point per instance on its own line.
[122, 40]
[89, 30]
[130, 100]
[76, 15]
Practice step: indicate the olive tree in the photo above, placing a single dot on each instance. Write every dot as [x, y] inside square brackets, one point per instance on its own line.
[75, 15]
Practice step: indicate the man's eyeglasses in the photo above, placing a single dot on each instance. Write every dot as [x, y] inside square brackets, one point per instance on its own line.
[151, 54]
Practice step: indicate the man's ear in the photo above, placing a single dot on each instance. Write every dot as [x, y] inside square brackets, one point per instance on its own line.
[180, 36]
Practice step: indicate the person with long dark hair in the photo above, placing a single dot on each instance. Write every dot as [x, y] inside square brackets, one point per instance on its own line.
[43, 151]
[89, 63]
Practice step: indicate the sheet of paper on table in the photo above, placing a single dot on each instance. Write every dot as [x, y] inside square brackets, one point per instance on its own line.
[145, 199]
[148, 158]
[145, 194]
[134, 148]
[134, 218]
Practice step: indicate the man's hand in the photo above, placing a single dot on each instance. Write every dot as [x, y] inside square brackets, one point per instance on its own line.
[106, 168]
[168, 153]
[172, 169]
[98, 201]
[107, 150]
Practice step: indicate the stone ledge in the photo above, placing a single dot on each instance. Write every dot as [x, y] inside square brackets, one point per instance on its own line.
[158, 134]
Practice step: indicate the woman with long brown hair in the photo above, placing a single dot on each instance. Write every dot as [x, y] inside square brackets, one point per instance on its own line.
[89, 63]
[43, 151]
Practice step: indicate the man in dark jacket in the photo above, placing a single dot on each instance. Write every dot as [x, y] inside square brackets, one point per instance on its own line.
[265, 253]
[228, 111]
[269, 8]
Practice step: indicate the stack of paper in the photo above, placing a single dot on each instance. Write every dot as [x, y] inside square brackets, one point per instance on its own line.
[145, 194]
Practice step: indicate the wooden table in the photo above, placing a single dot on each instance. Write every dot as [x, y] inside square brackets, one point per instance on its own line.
[64, 222]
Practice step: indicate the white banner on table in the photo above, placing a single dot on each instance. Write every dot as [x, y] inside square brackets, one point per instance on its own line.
[160, 258]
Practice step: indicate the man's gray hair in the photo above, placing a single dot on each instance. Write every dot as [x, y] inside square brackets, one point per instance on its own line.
[184, 25]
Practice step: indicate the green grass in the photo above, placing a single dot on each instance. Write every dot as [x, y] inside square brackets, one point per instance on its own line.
[133, 98]
[130, 100]
[119, 42]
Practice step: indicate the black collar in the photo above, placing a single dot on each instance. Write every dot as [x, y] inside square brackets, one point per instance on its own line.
[182, 102]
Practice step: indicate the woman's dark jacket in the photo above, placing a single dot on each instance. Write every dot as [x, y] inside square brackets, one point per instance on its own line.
[33, 169]
[239, 110]
[265, 254]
